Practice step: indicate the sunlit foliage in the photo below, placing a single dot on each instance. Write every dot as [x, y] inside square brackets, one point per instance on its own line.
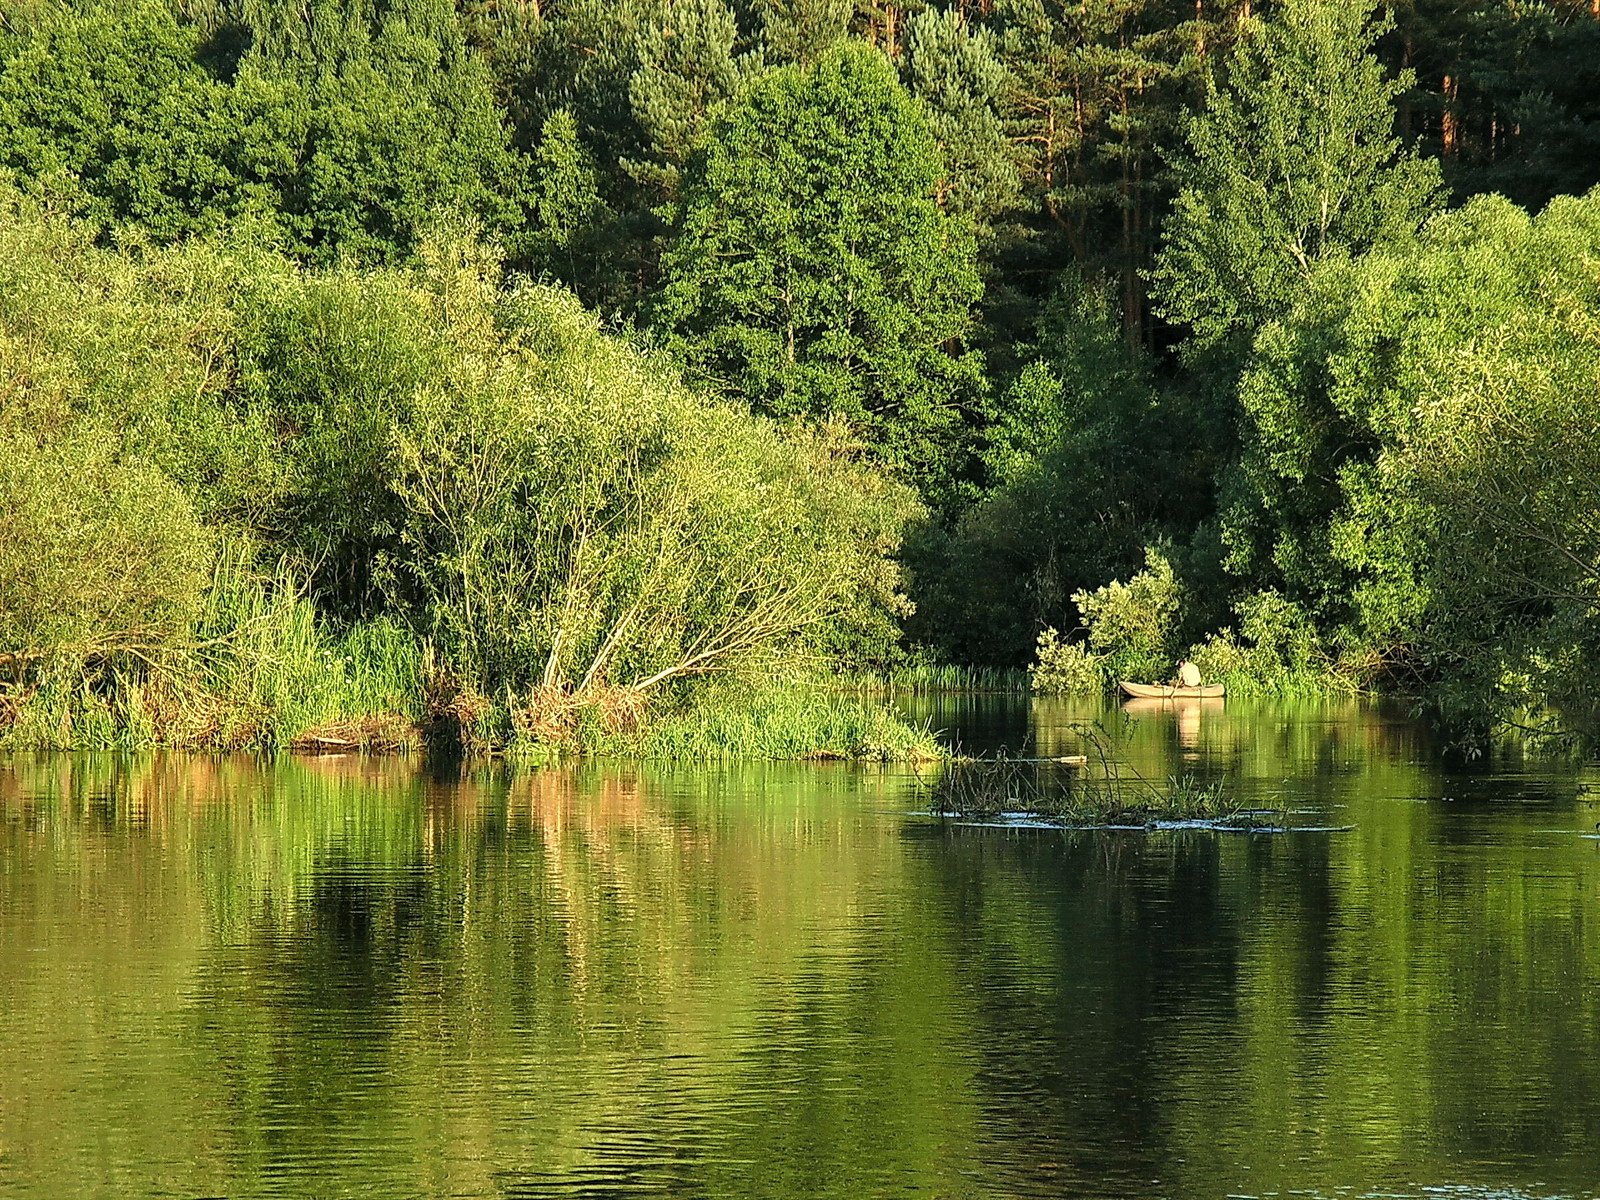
[429, 492]
[1422, 470]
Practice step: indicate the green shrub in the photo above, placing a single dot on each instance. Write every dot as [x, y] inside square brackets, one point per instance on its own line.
[1133, 627]
[140, 345]
[1065, 667]
[97, 557]
[1276, 650]
[337, 359]
[1421, 469]
[1131, 632]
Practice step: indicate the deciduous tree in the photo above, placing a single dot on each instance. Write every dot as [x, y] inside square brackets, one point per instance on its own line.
[813, 273]
[1294, 160]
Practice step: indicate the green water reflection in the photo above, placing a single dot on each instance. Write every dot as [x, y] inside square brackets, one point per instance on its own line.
[338, 978]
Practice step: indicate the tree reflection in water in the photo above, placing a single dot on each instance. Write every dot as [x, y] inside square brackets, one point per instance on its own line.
[336, 975]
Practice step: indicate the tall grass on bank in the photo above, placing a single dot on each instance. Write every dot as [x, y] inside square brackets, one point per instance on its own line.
[258, 670]
[930, 678]
[261, 670]
[282, 678]
[773, 720]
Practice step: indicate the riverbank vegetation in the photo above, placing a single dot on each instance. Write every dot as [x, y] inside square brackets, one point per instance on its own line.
[255, 505]
[514, 377]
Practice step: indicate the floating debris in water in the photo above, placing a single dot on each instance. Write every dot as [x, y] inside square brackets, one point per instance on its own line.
[1097, 790]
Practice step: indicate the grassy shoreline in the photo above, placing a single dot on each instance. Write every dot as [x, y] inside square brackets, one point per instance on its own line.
[417, 709]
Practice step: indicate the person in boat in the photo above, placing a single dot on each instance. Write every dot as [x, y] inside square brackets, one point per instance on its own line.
[1188, 675]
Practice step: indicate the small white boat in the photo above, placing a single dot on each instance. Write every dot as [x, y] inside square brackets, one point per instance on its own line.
[1172, 691]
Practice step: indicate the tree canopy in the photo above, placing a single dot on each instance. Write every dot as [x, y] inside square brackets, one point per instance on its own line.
[1292, 161]
[1193, 320]
[812, 272]
[329, 135]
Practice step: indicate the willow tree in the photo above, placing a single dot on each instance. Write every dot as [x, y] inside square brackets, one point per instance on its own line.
[575, 519]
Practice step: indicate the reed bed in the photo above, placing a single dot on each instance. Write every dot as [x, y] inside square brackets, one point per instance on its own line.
[933, 678]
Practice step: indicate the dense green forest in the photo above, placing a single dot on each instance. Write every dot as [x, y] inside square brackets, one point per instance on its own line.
[531, 374]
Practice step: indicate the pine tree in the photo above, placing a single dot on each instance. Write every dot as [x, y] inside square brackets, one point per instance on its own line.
[800, 31]
[957, 71]
[1509, 95]
[1096, 108]
[687, 68]
[579, 58]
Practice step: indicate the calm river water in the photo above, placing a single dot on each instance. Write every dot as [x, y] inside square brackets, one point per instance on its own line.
[337, 978]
